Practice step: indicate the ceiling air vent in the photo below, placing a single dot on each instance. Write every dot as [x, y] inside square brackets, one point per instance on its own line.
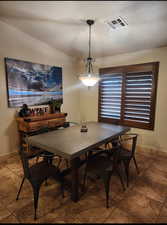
[117, 23]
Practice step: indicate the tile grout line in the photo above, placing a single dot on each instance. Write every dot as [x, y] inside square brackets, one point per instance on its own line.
[161, 209]
[133, 185]
[119, 202]
[10, 213]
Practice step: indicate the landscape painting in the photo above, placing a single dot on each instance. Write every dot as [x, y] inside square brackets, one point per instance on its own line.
[31, 83]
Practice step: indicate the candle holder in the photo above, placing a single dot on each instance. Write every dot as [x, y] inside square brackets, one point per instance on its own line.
[84, 128]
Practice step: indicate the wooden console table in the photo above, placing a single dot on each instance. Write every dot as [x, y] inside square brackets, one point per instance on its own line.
[32, 125]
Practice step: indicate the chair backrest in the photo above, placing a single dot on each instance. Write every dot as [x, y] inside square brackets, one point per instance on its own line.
[116, 155]
[25, 162]
[129, 137]
[25, 157]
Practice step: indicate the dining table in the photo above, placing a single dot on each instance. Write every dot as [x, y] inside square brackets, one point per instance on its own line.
[70, 143]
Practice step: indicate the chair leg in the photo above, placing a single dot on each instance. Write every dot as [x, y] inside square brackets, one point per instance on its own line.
[107, 187]
[126, 165]
[50, 160]
[85, 172]
[36, 196]
[136, 165]
[37, 158]
[84, 179]
[46, 183]
[62, 188]
[20, 188]
[67, 165]
[60, 160]
[107, 146]
[121, 180]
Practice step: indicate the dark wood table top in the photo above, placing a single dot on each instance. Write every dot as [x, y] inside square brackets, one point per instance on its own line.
[70, 142]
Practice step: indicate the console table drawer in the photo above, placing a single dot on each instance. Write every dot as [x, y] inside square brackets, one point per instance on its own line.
[33, 126]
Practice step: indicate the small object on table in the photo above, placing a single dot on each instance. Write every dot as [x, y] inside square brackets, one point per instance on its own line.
[84, 128]
[55, 105]
[46, 109]
[32, 112]
[41, 112]
[24, 111]
[37, 111]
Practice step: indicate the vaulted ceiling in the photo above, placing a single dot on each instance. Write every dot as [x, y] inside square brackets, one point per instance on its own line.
[62, 24]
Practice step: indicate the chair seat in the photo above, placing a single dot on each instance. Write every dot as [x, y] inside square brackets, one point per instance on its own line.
[42, 170]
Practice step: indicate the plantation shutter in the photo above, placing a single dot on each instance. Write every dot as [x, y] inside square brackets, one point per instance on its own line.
[138, 90]
[111, 91]
[127, 95]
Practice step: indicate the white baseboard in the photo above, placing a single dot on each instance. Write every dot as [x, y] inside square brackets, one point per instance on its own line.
[151, 150]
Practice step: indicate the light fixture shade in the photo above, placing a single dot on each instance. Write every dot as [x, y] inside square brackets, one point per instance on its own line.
[89, 79]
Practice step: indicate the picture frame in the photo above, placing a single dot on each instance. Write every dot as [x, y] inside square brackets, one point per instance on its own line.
[32, 83]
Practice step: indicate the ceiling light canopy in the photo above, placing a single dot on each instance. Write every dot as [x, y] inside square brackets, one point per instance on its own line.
[89, 78]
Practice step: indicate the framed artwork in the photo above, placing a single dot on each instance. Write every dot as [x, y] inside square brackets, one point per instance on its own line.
[32, 83]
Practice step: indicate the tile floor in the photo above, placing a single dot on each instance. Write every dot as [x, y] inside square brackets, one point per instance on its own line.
[145, 201]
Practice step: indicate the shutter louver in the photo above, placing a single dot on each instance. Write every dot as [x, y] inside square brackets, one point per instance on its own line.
[111, 91]
[138, 90]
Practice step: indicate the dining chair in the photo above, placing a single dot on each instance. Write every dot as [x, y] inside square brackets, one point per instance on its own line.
[36, 174]
[127, 152]
[103, 167]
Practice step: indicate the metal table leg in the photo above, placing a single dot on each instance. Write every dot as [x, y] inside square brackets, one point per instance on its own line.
[75, 179]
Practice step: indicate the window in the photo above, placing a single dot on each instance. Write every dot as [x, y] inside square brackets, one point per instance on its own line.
[127, 95]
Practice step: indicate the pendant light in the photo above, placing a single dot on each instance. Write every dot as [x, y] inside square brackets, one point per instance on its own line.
[89, 78]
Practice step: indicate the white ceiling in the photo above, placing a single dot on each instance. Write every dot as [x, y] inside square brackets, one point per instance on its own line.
[62, 24]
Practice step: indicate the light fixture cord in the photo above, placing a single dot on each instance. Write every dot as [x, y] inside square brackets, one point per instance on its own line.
[89, 41]
[90, 67]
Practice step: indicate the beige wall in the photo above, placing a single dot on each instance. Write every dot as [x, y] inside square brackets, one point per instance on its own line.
[18, 45]
[89, 98]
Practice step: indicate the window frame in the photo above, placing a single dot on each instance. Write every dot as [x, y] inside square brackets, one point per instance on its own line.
[125, 69]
